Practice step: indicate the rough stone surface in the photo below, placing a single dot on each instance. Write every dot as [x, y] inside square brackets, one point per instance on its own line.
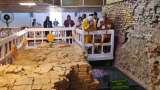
[61, 67]
[138, 37]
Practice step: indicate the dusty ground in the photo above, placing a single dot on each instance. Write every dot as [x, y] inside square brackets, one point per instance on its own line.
[41, 68]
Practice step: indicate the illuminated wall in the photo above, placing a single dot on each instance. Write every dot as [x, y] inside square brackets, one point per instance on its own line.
[60, 14]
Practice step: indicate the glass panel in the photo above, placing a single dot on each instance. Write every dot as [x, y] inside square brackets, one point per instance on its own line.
[112, 1]
[47, 1]
[93, 2]
[72, 2]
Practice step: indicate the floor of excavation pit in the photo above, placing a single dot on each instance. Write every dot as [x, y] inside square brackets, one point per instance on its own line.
[105, 74]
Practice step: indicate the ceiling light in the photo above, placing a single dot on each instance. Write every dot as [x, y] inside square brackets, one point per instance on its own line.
[27, 4]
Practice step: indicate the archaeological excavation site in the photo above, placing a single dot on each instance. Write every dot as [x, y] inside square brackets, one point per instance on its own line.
[79, 44]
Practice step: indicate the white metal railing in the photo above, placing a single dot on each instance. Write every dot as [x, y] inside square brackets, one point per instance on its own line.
[5, 32]
[7, 43]
[99, 48]
[101, 45]
[34, 37]
[37, 36]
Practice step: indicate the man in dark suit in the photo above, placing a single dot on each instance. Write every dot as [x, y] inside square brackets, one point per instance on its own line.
[47, 24]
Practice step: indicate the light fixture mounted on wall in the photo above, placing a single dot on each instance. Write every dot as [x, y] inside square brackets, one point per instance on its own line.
[28, 4]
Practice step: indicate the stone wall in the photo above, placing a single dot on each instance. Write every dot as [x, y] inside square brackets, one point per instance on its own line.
[138, 41]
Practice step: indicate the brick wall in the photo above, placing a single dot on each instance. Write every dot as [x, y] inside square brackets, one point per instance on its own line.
[138, 37]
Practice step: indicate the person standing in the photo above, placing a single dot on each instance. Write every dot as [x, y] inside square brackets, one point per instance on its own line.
[47, 24]
[88, 24]
[55, 23]
[84, 16]
[105, 23]
[69, 23]
[79, 22]
[95, 16]
[34, 23]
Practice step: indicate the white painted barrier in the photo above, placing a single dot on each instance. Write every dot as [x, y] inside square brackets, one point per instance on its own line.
[7, 43]
[5, 32]
[36, 36]
[100, 48]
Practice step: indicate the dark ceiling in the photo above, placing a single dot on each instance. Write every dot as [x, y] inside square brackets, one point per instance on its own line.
[13, 5]
[43, 5]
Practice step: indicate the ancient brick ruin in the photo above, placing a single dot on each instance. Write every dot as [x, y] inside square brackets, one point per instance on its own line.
[57, 68]
[137, 26]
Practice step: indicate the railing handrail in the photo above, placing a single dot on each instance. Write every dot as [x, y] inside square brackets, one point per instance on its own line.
[13, 36]
[52, 29]
[4, 40]
[19, 33]
[23, 33]
[16, 39]
[80, 39]
[94, 31]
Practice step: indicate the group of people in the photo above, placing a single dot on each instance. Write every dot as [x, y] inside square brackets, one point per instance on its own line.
[86, 23]
[46, 24]
[91, 22]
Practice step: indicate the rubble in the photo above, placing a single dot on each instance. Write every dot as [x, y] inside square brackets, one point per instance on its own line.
[45, 68]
